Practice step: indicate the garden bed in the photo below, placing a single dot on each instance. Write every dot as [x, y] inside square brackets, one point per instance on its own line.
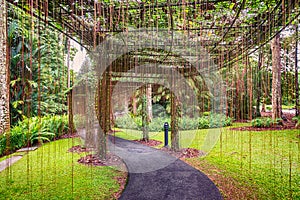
[151, 143]
[287, 124]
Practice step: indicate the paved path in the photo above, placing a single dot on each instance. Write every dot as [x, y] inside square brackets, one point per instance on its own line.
[154, 174]
[8, 162]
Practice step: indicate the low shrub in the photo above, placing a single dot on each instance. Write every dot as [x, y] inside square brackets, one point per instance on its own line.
[126, 122]
[262, 122]
[219, 120]
[185, 123]
[33, 130]
[203, 123]
[206, 113]
[157, 124]
[297, 120]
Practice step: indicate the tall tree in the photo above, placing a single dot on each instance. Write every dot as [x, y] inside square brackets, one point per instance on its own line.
[145, 115]
[296, 72]
[4, 71]
[149, 101]
[258, 88]
[175, 115]
[276, 80]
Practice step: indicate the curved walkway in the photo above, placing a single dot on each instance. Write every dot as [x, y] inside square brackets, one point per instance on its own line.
[154, 174]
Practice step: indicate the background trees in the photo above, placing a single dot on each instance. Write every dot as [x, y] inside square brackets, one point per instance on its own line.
[38, 75]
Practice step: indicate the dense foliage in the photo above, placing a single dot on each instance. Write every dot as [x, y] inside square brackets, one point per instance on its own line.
[33, 130]
[186, 123]
[37, 67]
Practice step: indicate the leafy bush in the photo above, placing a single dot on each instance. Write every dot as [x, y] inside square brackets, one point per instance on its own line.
[256, 123]
[214, 121]
[262, 122]
[33, 130]
[279, 121]
[126, 122]
[187, 123]
[203, 123]
[206, 113]
[157, 124]
[297, 120]
[219, 120]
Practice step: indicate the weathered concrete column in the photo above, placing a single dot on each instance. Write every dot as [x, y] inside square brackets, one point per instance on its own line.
[4, 71]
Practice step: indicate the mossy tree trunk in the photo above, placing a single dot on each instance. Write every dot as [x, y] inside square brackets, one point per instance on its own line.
[4, 70]
[276, 81]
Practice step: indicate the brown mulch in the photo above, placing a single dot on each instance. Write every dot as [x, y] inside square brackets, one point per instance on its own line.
[79, 149]
[151, 143]
[288, 124]
[122, 180]
[273, 128]
[69, 135]
[91, 159]
[181, 154]
[184, 153]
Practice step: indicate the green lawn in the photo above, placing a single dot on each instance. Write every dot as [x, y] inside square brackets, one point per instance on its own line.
[267, 161]
[53, 173]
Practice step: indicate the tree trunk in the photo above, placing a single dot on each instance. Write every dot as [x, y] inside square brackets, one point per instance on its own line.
[149, 101]
[134, 109]
[4, 71]
[175, 114]
[258, 88]
[276, 81]
[145, 120]
[102, 115]
[250, 88]
[89, 116]
[126, 104]
[296, 72]
[70, 94]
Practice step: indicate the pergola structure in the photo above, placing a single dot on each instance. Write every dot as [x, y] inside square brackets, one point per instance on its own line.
[226, 30]
[225, 36]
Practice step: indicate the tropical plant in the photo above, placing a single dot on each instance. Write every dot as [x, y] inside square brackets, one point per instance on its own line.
[33, 131]
[37, 69]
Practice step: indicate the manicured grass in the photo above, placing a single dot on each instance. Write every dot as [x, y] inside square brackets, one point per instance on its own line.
[51, 172]
[269, 160]
[266, 162]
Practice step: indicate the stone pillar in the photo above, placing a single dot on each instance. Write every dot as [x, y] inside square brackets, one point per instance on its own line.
[4, 71]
